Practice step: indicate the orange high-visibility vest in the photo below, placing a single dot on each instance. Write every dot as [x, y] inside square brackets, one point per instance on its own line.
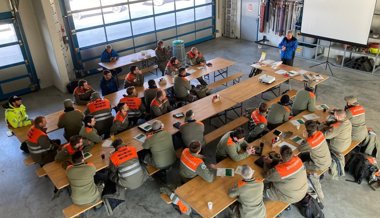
[357, 110]
[34, 134]
[190, 161]
[316, 140]
[123, 155]
[98, 104]
[289, 168]
[258, 118]
[133, 103]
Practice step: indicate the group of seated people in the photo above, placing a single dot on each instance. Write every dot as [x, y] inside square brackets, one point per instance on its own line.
[286, 176]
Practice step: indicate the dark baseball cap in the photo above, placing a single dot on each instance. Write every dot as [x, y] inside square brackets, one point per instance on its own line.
[14, 98]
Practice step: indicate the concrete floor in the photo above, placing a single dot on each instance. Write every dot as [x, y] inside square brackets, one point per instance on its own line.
[25, 195]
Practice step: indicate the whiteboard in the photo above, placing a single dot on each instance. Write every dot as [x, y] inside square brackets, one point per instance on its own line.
[343, 20]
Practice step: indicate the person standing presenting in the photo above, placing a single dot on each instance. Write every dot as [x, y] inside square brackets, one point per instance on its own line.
[288, 48]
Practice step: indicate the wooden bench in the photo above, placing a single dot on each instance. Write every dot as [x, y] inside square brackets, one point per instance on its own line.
[143, 71]
[29, 161]
[235, 78]
[166, 198]
[40, 172]
[223, 129]
[274, 208]
[76, 210]
[151, 169]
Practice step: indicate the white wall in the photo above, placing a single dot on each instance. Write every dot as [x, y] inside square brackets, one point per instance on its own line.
[219, 23]
[4, 6]
[35, 42]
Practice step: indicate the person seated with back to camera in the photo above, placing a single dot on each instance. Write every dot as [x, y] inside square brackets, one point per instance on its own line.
[134, 77]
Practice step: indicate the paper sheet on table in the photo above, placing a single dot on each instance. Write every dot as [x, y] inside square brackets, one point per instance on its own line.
[290, 145]
[293, 73]
[322, 106]
[297, 122]
[302, 72]
[224, 172]
[107, 143]
[140, 137]
[256, 65]
[238, 170]
[268, 62]
[318, 77]
[297, 139]
[190, 71]
[281, 72]
[311, 117]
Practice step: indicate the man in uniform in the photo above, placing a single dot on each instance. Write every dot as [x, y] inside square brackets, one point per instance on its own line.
[88, 131]
[135, 105]
[172, 67]
[41, 148]
[109, 55]
[150, 93]
[160, 104]
[15, 113]
[76, 143]
[356, 114]
[162, 56]
[101, 110]
[192, 164]
[160, 144]
[181, 206]
[182, 85]
[70, 120]
[259, 123]
[304, 100]
[288, 47]
[192, 130]
[339, 133]
[120, 122]
[81, 178]
[249, 192]
[125, 166]
[194, 57]
[108, 83]
[82, 93]
[279, 112]
[232, 145]
[317, 154]
[287, 180]
[134, 77]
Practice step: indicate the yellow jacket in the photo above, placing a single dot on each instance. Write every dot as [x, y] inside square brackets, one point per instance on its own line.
[16, 117]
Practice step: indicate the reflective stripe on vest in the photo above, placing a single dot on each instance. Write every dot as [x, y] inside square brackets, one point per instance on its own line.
[34, 134]
[37, 149]
[258, 118]
[98, 104]
[316, 140]
[190, 161]
[357, 111]
[289, 168]
[133, 103]
[123, 155]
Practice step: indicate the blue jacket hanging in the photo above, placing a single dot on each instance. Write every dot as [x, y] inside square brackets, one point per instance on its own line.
[291, 46]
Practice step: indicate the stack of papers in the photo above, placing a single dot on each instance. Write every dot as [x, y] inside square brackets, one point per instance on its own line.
[297, 139]
[281, 72]
[297, 122]
[322, 106]
[311, 117]
[140, 137]
[293, 73]
[107, 143]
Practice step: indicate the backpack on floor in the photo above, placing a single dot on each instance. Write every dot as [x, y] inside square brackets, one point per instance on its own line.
[71, 86]
[310, 207]
[361, 166]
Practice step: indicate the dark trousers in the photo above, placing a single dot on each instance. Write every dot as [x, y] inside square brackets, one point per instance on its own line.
[288, 62]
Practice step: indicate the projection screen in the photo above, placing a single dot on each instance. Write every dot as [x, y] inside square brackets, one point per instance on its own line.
[338, 20]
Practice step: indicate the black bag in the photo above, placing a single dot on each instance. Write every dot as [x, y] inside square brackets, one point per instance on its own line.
[71, 86]
[360, 167]
[24, 147]
[310, 207]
